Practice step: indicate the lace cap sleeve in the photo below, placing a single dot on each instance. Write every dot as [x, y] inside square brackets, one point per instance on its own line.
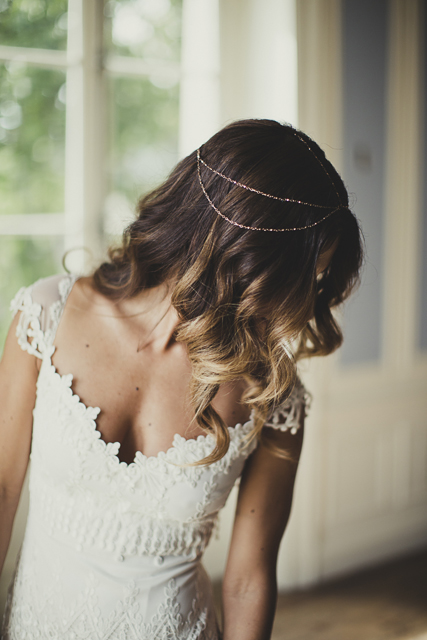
[40, 305]
[288, 416]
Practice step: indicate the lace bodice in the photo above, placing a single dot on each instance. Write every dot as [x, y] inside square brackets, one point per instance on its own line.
[153, 514]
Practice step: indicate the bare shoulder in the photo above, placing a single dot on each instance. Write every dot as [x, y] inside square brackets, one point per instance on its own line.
[84, 297]
[228, 402]
[270, 471]
[18, 378]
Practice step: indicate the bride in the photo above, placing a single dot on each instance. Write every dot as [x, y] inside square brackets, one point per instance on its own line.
[144, 391]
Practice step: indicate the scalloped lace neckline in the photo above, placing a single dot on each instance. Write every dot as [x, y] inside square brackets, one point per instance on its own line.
[202, 441]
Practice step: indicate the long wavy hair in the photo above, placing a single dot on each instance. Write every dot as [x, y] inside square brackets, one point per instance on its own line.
[242, 296]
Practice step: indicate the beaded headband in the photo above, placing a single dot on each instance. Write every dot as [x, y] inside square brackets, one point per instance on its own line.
[268, 195]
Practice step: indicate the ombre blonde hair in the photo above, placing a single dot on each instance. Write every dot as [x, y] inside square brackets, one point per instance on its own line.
[244, 296]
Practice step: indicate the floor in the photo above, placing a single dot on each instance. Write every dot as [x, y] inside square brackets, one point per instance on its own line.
[388, 602]
[385, 603]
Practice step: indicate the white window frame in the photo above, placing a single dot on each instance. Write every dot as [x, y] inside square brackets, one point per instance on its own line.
[87, 68]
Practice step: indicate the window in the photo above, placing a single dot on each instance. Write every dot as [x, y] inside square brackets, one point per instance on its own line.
[89, 111]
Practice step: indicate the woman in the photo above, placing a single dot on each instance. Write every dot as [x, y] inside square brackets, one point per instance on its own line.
[182, 349]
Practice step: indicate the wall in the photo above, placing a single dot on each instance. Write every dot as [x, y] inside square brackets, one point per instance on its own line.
[372, 487]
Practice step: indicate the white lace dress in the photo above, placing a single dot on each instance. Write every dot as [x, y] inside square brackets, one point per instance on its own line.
[113, 550]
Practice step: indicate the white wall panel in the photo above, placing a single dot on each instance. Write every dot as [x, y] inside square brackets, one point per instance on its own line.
[350, 548]
[370, 478]
[352, 485]
[418, 472]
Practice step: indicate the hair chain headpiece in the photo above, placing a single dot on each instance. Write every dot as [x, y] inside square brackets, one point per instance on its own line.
[267, 195]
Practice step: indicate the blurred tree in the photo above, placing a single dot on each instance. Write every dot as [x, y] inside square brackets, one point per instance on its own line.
[149, 29]
[144, 113]
[144, 134]
[143, 123]
[34, 23]
[32, 139]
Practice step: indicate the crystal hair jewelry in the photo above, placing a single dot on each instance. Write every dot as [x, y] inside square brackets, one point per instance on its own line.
[267, 195]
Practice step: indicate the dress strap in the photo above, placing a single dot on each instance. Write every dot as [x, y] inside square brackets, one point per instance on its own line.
[57, 309]
[288, 416]
[41, 306]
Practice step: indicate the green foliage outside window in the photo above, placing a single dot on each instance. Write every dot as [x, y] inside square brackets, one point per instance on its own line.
[149, 29]
[143, 113]
[32, 139]
[144, 134]
[34, 23]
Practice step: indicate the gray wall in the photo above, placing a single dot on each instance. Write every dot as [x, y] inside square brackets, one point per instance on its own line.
[364, 74]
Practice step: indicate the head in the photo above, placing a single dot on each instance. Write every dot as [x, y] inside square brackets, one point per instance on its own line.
[244, 295]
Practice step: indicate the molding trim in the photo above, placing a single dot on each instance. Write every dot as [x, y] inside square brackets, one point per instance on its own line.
[320, 74]
[403, 187]
[320, 115]
[85, 155]
[200, 74]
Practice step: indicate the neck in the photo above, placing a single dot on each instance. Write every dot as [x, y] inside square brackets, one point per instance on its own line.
[157, 318]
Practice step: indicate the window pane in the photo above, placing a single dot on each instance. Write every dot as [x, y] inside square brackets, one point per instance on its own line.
[22, 262]
[34, 23]
[145, 141]
[32, 139]
[145, 28]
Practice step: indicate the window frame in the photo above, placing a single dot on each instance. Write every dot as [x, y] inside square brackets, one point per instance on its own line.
[88, 67]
